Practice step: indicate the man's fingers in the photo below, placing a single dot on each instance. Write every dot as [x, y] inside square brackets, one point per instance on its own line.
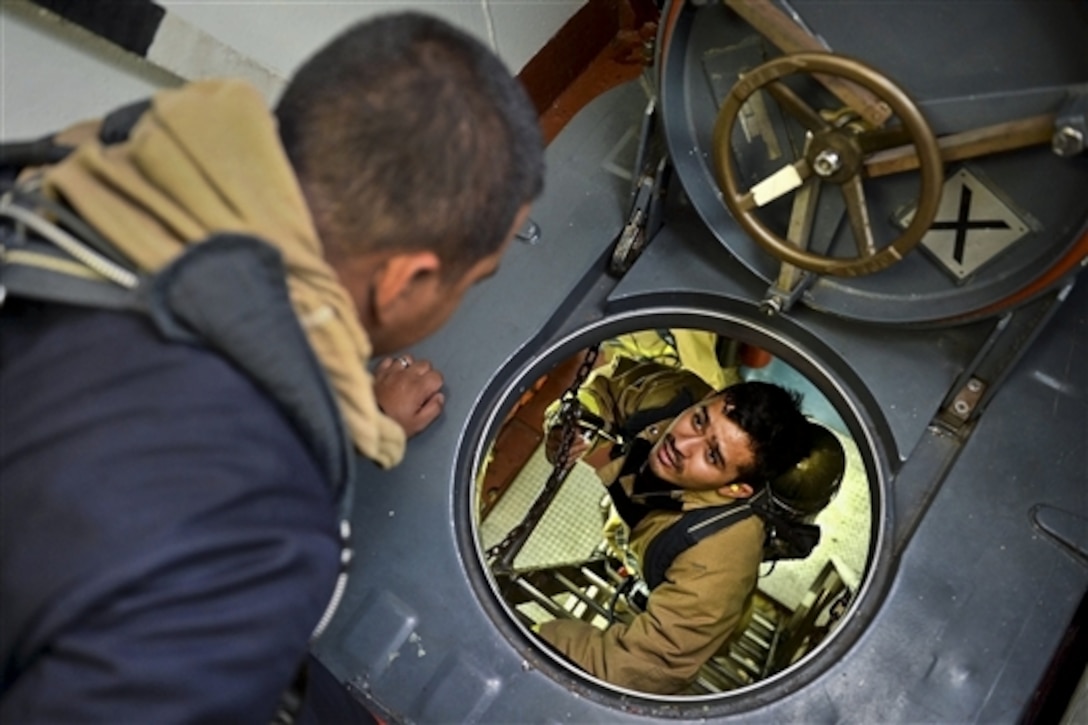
[430, 409]
[425, 414]
[430, 382]
[409, 391]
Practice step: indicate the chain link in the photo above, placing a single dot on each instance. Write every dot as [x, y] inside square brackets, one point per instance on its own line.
[502, 554]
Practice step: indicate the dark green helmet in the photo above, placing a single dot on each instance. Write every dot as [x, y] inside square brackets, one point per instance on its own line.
[808, 487]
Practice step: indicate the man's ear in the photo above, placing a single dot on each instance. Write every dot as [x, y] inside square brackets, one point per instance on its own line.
[736, 490]
[399, 277]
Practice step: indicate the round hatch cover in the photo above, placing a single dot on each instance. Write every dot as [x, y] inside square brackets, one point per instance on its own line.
[810, 133]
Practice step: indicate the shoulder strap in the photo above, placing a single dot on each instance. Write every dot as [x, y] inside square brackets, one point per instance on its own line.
[40, 272]
[18, 155]
[693, 527]
[227, 293]
[646, 486]
[118, 124]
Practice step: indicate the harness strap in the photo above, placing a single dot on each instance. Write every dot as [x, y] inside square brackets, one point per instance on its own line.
[693, 527]
[39, 272]
[649, 493]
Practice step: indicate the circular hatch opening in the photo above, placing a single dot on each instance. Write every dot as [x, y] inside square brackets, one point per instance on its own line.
[551, 546]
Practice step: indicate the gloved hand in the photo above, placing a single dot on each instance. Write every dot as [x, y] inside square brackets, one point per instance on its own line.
[579, 445]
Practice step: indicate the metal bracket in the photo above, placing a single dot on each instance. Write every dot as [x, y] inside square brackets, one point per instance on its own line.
[965, 402]
[1012, 336]
[779, 299]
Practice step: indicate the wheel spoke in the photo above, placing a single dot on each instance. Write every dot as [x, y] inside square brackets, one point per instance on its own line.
[799, 232]
[803, 214]
[858, 213]
[796, 107]
[776, 185]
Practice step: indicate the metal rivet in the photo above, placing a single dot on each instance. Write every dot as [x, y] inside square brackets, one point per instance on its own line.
[1067, 141]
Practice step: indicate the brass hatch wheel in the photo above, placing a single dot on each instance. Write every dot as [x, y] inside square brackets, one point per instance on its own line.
[836, 151]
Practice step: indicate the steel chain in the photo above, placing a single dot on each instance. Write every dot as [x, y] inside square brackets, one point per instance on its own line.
[502, 554]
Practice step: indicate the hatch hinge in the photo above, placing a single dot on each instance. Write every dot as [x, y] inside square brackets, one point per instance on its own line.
[652, 171]
[791, 284]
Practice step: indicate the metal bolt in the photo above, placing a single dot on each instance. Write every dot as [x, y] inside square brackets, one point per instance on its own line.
[974, 385]
[771, 306]
[826, 163]
[960, 407]
[1067, 141]
[530, 233]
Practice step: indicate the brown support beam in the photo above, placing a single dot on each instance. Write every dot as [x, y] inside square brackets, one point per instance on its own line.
[1000, 137]
[789, 37]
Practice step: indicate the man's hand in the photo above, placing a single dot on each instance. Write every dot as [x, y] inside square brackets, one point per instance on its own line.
[578, 446]
[409, 391]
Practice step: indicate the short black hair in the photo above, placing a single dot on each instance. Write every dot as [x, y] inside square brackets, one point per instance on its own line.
[407, 133]
[771, 416]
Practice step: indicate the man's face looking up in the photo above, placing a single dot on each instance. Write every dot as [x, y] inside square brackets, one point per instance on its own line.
[702, 449]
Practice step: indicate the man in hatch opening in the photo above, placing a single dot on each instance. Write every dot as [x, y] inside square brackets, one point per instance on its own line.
[685, 447]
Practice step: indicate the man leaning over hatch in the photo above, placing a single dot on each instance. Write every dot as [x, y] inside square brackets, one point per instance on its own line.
[687, 448]
[170, 480]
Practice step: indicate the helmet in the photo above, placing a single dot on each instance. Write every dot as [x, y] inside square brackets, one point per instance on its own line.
[808, 487]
